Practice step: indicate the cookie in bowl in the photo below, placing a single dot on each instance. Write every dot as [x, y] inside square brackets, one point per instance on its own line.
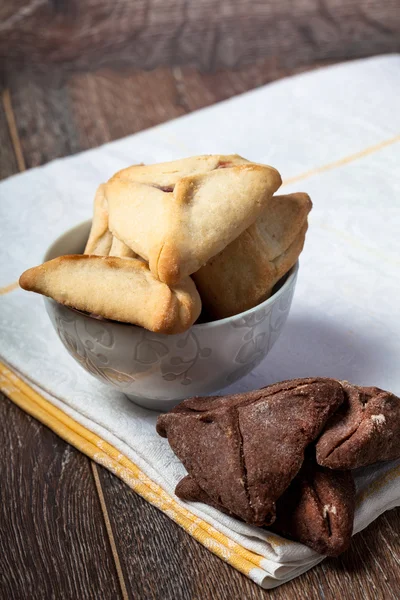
[132, 294]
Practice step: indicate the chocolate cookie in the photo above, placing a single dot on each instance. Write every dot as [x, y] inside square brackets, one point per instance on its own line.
[317, 509]
[190, 491]
[365, 429]
[244, 450]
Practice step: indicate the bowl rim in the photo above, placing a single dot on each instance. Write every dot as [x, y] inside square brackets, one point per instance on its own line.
[291, 275]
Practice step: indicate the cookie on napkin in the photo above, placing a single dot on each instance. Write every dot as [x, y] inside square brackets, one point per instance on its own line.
[244, 450]
[365, 430]
[318, 509]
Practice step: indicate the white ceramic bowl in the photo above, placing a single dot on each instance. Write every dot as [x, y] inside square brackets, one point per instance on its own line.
[155, 370]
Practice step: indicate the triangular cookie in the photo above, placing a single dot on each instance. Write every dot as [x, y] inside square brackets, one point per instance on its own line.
[244, 450]
[245, 272]
[318, 508]
[178, 215]
[167, 174]
[365, 430]
[122, 289]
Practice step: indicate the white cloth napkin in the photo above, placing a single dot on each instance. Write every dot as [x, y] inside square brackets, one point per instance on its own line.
[345, 318]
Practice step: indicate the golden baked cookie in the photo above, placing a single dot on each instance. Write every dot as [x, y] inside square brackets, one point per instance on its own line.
[100, 238]
[120, 249]
[122, 289]
[245, 272]
[178, 215]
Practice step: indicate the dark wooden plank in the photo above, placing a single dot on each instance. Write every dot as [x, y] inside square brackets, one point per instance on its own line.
[8, 162]
[43, 116]
[370, 569]
[109, 105]
[197, 90]
[53, 542]
[159, 559]
[81, 34]
[161, 562]
[60, 116]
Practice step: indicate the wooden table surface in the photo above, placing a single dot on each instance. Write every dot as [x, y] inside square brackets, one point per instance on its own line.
[69, 528]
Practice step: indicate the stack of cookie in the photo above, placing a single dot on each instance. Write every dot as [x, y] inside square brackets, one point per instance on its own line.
[169, 238]
[281, 457]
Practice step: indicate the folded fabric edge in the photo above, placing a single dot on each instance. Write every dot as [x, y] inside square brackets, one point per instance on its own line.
[106, 455]
[249, 563]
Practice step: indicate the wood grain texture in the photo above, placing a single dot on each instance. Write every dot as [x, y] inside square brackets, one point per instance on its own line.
[8, 161]
[158, 559]
[370, 569]
[161, 562]
[59, 115]
[53, 542]
[148, 33]
[13, 131]
[123, 103]
[44, 118]
[197, 90]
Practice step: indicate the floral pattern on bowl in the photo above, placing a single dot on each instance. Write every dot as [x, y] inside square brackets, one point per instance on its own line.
[156, 370]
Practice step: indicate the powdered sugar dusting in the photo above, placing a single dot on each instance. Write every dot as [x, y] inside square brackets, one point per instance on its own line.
[378, 419]
[329, 508]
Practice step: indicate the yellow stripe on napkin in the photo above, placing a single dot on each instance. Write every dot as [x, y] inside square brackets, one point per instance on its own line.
[106, 455]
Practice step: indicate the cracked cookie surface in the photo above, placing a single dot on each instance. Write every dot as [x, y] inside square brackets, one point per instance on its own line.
[318, 508]
[365, 430]
[244, 450]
